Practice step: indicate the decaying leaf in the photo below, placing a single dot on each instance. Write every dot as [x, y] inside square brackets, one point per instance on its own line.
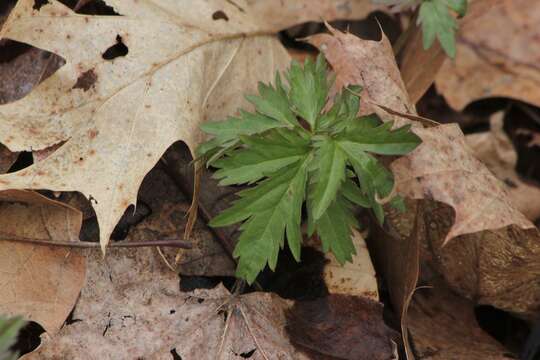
[497, 152]
[144, 315]
[7, 158]
[177, 65]
[341, 327]
[443, 326]
[494, 61]
[38, 282]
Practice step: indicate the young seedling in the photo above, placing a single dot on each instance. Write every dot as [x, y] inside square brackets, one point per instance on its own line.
[436, 19]
[293, 150]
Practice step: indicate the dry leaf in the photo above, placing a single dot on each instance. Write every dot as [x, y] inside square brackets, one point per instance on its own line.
[186, 62]
[38, 282]
[144, 315]
[419, 67]
[356, 278]
[443, 326]
[367, 63]
[341, 327]
[495, 61]
[497, 152]
[7, 158]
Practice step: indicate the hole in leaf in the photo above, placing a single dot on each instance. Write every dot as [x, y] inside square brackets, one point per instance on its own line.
[248, 354]
[190, 283]
[39, 3]
[117, 50]
[175, 355]
[29, 338]
[220, 15]
[92, 7]
[86, 80]
[24, 160]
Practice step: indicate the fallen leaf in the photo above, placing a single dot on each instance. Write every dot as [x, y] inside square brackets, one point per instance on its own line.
[341, 327]
[181, 64]
[144, 315]
[352, 60]
[497, 152]
[443, 326]
[418, 66]
[355, 278]
[38, 282]
[7, 158]
[500, 61]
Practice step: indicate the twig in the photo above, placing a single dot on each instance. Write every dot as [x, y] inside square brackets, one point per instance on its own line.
[95, 245]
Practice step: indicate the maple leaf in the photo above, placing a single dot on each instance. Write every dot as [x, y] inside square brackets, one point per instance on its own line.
[284, 158]
[182, 63]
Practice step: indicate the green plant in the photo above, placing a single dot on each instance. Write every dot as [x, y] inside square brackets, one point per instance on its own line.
[436, 19]
[294, 151]
[9, 329]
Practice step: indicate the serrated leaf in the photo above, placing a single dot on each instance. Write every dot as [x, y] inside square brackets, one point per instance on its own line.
[438, 22]
[263, 155]
[344, 110]
[459, 6]
[354, 194]
[308, 88]
[331, 160]
[381, 139]
[272, 102]
[376, 181]
[269, 218]
[335, 228]
[9, 329]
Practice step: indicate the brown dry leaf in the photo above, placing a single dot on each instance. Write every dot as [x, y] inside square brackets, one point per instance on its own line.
[7, 158]
[368, 63]
[38, 282]
[341, 327]
[443, 326]
[419, 67]
[131, 307]
[494, 61]
[186, 62]
[497, 152]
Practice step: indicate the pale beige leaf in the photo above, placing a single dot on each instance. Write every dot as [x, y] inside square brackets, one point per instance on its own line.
[40, 283]
[131, 307]
[355, 278]
[495, 61]
[187, 62]
[497, 152]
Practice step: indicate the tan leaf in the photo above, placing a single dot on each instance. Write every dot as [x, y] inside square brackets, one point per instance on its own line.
[495, 61]
[355, 278]
[144, 315]
[186, 62]
[443, 326]
[497, 152]
[40, 283]
[7, 158]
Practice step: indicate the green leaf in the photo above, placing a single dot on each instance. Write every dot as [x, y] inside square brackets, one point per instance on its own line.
[334, 229]
[344, 110]
[273, 102]
[381, 139]
[459, 6]
[331, 173]
[354, 194]
[9, 329]
[270, 216]
[261, 156]
[376, 181]
[438, 22]
[308, 89]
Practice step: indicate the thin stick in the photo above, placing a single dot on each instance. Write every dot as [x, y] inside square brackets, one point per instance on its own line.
[95, 245]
